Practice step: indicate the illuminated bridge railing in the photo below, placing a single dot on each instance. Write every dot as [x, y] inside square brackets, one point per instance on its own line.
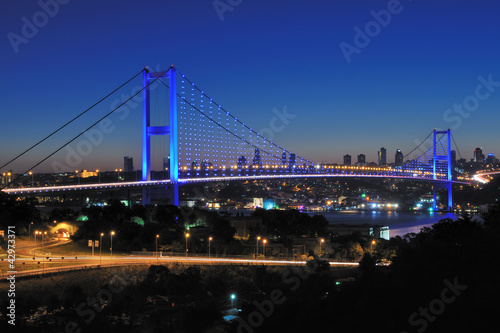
[211, 175]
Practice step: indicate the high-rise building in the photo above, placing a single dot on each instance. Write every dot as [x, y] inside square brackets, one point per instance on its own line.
[491, 158]
[361, 159]
[283, 158]
[166, 163]
[256, 159]
[242, 161]
[128, 164]
[398, 159]
[478, 155]
[453, 157]
[291, 162]
[347, 159]
[382, 156]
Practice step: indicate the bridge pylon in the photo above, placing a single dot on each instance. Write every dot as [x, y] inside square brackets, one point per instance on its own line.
[171, 130]
[441, 166]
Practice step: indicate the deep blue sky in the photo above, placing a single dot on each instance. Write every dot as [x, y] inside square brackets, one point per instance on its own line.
[263, 55]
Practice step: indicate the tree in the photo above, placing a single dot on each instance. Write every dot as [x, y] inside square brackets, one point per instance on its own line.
[355, 250]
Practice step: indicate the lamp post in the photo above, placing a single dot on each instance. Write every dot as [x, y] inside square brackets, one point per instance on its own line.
[264, 241]
[371, 245]
[157, 236]
[257, 254]
[29, 231]
[32, 178]
[233, 297]
[43, 252]
[118, 171]
[320, 241]
[78, 175]
[34, 250]
[100, 249]
[112, 233]
[187, 236]
[209, 241]
[99, 175]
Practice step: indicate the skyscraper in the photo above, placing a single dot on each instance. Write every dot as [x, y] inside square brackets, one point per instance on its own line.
[256, 159]
[361, 159]
[291, 161]
[347, 159]
[453, 157]
[382, 156]
[242, 161]
[166, 163]
[128, 164]
[283, 158]
[398, 159]
[478, 155]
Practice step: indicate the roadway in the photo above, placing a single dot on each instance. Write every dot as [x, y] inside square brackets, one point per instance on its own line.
[72, 263]
[158, 183]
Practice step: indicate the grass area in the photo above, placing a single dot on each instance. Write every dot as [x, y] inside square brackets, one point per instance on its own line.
[39, 290]
[32, 265]
[77, 249]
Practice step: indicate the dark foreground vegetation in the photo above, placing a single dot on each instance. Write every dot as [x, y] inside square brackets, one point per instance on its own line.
[442, 279]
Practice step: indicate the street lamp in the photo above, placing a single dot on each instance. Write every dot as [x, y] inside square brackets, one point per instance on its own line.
[100, 249]
[118, 171]
[257, 254]
[187, 236]
[157, 236]
[371, 245]
[78, 175]
[29, 231]
[209, 241]
[32, 178]
[43, 252]
[112, 233]
[320, 241]
[98, 174]
[264, 241]
[233, 297]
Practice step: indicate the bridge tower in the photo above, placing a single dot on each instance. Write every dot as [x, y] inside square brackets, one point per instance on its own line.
[441, 165]
[171, 129]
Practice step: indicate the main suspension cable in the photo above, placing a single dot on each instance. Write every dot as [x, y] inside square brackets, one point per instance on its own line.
[69, 122]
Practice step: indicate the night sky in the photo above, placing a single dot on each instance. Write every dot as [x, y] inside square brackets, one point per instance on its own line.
[390, 91]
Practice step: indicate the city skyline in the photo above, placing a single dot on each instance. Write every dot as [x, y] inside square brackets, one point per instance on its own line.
[388, 93]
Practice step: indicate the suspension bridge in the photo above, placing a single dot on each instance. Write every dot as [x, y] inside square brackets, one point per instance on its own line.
[208, 143]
